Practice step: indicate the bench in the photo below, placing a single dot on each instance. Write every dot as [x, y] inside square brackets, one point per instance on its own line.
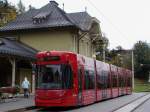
[7, 92]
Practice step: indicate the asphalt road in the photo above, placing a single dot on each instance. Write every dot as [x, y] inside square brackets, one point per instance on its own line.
[104, 106]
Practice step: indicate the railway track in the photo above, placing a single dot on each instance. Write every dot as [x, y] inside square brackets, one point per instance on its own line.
[24, 109]
[132, 105]
[54, 109]
[35, 109]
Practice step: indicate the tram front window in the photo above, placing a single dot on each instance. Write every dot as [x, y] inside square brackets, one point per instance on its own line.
[54, 77]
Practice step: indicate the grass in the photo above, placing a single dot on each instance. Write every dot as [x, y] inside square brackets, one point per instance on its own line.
[141, 86]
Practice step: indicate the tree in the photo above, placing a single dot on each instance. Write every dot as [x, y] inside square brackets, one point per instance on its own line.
[127, 60]
[3, 3]
[142, 59]
[101, 46]
[7, 12]
[121, 57]
[119, 48]
[21, 7]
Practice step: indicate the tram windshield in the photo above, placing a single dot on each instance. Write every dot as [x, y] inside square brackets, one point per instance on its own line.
[54, 77]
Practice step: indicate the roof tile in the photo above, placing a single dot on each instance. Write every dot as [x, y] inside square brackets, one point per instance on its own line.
[15, 48]
[54, 17]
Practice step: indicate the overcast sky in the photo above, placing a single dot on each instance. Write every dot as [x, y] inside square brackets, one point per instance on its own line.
[123, 21]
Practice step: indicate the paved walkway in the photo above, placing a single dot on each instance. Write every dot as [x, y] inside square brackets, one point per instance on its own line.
[131, 106]
[16, 103]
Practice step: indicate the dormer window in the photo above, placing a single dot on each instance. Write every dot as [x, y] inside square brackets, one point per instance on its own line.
[3, 18]
[38, 21]
[41, 17]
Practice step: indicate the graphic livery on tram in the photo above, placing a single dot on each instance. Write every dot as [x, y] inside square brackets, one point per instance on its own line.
[66, 79]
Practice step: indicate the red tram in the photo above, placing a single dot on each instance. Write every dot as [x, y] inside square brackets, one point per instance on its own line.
[69, 79]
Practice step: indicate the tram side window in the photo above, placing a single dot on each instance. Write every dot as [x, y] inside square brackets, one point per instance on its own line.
[105, 80]
[99, 81]
[86, 80]
[102, 80]
[124, 82]
[121, 81]
[114, 80]
[67, 77]
[89, 80]
[129, 82]
[80, 78]
[92, 79]
[108, 80]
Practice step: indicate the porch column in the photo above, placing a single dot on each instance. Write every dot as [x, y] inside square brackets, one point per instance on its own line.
[33, 83]
[33, 77]
[13, 63]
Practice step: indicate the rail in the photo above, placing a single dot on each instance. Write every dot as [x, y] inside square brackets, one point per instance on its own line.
[124, 108]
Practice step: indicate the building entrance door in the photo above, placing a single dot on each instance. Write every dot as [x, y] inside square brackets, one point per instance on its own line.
[5, 72]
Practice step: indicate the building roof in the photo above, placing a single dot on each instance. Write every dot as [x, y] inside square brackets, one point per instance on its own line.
[49, 16]
[14, 48]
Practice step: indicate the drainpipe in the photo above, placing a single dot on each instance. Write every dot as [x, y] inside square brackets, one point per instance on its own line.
[79, 38]
[74, 43]
[78, 45]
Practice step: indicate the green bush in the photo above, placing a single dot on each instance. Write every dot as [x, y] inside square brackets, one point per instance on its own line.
[17, 89]
[141, 86]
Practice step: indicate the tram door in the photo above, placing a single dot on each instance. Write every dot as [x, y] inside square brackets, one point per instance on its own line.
[80, 85]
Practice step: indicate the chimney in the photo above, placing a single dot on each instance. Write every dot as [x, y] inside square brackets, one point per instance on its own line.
[53, 2]
[63, 6]
[85, 9]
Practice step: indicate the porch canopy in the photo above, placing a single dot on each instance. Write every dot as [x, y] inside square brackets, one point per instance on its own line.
[15, 50]
[12, 48]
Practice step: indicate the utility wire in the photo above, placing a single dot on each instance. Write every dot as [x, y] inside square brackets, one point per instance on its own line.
[101, 13]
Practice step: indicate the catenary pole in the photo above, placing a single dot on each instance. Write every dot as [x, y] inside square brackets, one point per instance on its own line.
[132, 69]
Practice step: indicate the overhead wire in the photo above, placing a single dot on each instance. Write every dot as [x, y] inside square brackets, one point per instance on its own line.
[108, 20]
